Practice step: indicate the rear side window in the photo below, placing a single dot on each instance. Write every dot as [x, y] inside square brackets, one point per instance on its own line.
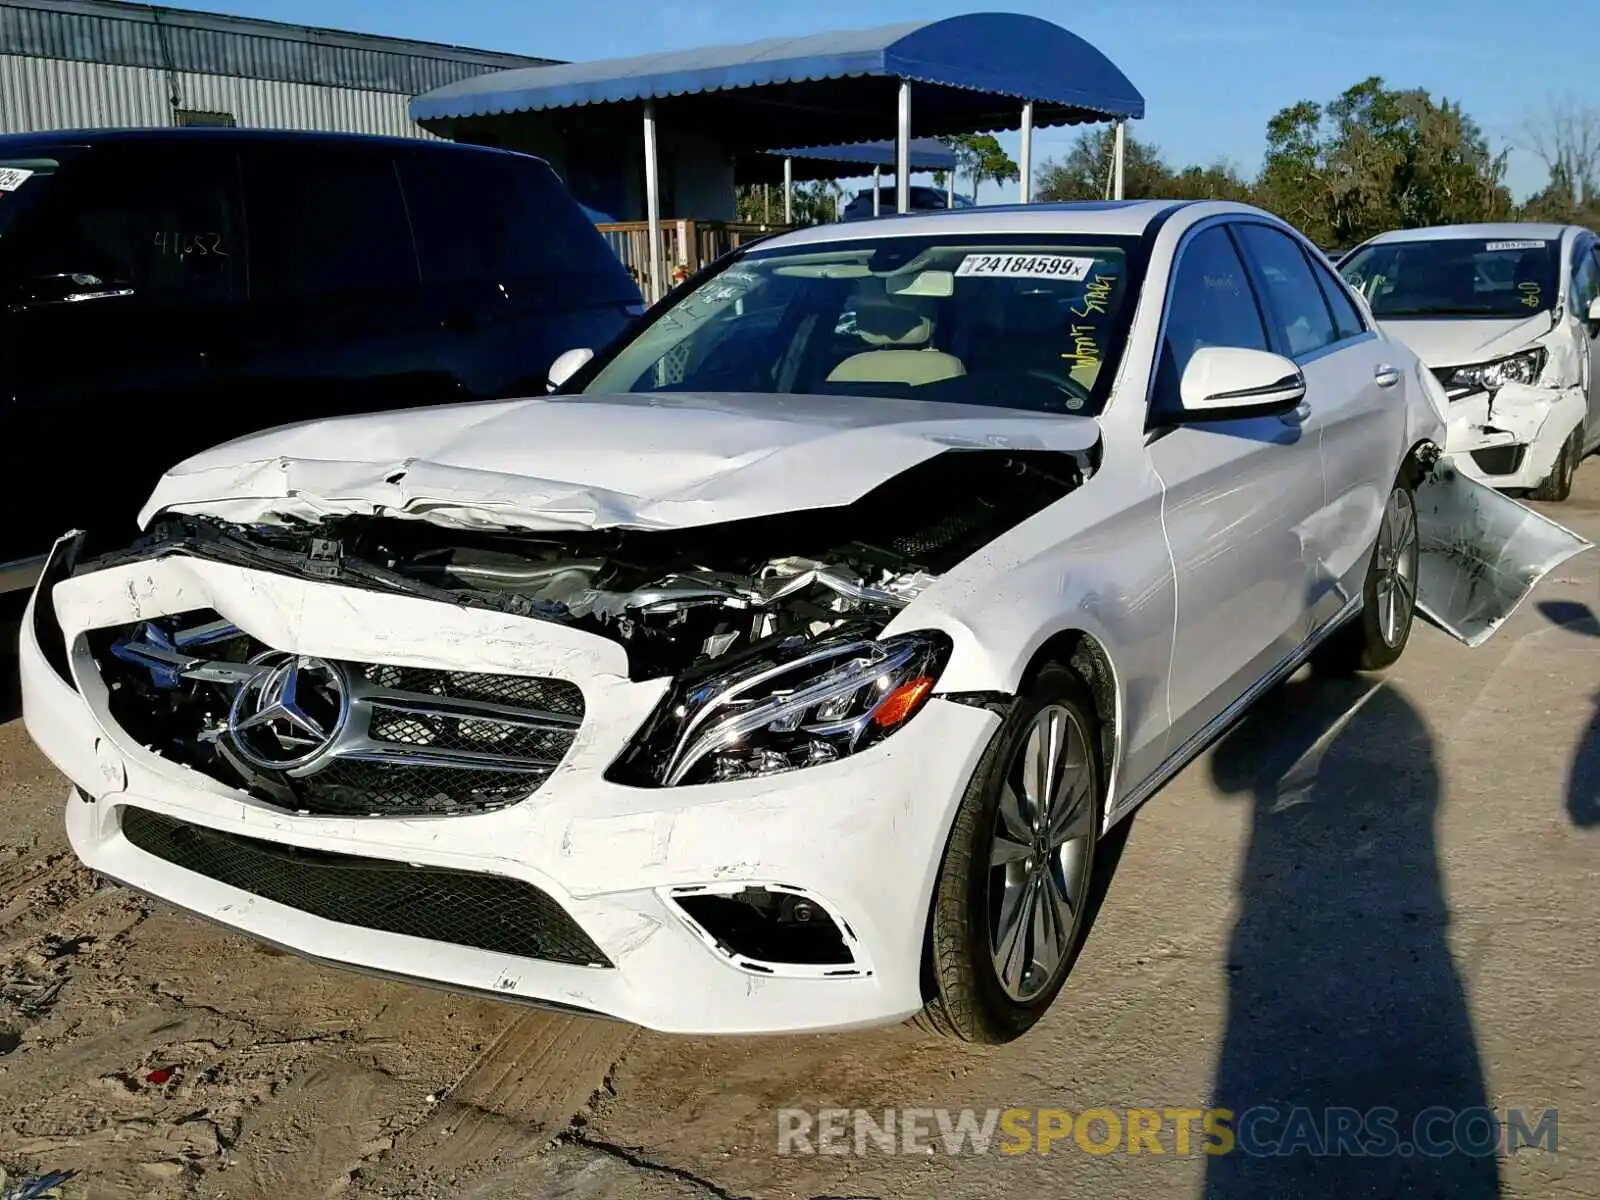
[1345, 317]
[1297, 314]
[163, 223]
[490, 218]
[325, 223]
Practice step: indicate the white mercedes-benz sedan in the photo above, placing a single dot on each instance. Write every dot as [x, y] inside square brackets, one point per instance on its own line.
[786, 668]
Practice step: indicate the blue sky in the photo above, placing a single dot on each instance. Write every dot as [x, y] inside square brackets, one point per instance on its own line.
[1212, 71]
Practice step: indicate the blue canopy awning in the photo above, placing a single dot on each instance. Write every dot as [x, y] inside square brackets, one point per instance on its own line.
[927, 154]
[972, 74]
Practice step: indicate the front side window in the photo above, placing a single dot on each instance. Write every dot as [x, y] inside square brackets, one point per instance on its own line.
[1212, 304]
[1034, 323]
[1298, 316]
[1457, 277]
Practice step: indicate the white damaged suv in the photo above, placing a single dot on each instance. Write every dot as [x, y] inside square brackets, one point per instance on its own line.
[1507, 316]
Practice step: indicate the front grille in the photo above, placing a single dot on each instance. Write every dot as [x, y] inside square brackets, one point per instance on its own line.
[391, 740]
[357, 789]
[486, 912]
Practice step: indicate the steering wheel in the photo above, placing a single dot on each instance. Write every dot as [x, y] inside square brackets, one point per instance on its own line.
[1065, 384]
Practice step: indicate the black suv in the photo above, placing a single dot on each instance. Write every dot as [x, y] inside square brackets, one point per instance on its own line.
[165, 290]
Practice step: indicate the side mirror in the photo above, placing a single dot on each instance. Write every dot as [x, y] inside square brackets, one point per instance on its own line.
[1594, 311]
[1224, 383]
[566, 366]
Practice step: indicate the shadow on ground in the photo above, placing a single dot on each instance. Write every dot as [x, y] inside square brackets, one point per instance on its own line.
[1347, 1022]
[1583, 789]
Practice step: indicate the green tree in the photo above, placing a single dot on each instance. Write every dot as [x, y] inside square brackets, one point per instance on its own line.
[1085, 172]
[814, 203]
[979, 156]
[1378, 158]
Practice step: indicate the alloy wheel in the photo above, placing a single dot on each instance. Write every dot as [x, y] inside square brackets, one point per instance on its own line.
[1396, 567]
[1040, 853]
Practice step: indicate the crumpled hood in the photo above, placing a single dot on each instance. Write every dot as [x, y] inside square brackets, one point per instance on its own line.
[1463, 341]
[651, 461]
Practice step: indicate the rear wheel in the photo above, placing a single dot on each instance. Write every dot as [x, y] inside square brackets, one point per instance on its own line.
[1376, 637]
[1011, 903]
[1557, 486]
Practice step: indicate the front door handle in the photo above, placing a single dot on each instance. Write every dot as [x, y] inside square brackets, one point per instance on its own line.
[1386, 376]
[1298, 415]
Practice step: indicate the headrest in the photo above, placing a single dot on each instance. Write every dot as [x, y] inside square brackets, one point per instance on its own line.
[884, 321]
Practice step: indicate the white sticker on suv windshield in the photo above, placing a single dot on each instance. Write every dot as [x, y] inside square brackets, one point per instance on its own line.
[11, 178]
[1026, 266]
[1514, 246]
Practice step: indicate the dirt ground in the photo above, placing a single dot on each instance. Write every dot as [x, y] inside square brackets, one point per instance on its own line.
[1376, 893]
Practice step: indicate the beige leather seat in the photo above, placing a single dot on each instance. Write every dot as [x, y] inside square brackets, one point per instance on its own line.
[898, 333]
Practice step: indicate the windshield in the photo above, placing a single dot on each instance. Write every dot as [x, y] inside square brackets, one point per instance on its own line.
[21, 182]
[1476, 277]
[1034, 323]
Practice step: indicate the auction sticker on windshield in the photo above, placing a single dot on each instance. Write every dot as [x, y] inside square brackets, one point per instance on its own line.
[11, 178]
[1026, 266]
[1493, 246]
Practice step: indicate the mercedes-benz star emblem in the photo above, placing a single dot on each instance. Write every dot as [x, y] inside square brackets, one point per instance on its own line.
[290, 712]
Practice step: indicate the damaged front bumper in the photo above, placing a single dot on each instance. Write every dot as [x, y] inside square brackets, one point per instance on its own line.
[1511, 438]
[590, 895]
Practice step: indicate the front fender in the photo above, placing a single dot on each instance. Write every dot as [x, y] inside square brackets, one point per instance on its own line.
[1480, 553]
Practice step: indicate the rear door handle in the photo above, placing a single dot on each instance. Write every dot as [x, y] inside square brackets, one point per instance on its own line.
[1386, 376]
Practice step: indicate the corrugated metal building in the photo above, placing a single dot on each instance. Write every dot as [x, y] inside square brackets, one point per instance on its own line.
[75, 64]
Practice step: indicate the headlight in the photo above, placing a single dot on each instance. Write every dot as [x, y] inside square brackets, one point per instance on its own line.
[1523, 367]
[809, 703]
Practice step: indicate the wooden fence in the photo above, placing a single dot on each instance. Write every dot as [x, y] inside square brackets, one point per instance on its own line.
[686, 244]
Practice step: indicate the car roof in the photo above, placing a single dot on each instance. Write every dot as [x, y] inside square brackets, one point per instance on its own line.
[1532, 230]
[1110, 218]
[25, 143]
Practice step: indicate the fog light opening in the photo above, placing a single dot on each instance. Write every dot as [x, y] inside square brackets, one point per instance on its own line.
[761, 927]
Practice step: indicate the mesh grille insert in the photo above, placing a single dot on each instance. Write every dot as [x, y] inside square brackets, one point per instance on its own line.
[355, 788]
[487, 912]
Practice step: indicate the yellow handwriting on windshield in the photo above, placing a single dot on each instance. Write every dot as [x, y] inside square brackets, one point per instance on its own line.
[1085, 350]
[1096, 295]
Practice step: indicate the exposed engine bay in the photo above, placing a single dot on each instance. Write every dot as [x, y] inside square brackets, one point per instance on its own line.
[674, 598]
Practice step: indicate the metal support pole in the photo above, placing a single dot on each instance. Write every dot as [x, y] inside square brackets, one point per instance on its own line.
[1117, 153]
[902, 151]
[788, 191]
[950, 188]
[877, 188]
[652, 199]
[1025, 154]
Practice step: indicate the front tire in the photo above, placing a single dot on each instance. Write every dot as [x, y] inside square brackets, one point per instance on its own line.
[1011, 905]
[1557, 486]
[1377, 636]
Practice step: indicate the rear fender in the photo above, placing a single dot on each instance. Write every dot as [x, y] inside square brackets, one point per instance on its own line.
[1480, 553]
